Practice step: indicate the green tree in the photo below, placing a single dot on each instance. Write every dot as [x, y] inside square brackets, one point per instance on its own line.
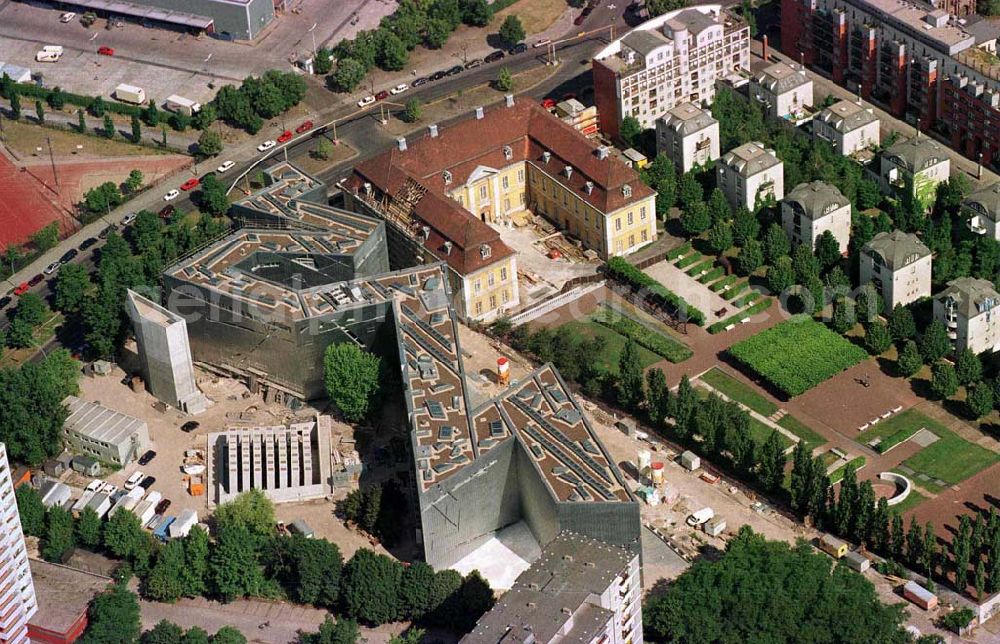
[228, 635]
[658, 401]
[968, 367]
[323, 61]
[935, 343]
[414, 110]
[103, 198]
[195, 635]
[805, 264]
[474, 599]
[436, 33]
[214, 199]
[746, 227]
[390, 54]
[165, 582]
[31, 309]
[944, 382]
[347, 76]
[46, 237]
[901, 323]
[40, 111]
[827, 250]
[720, 237]
[868, 304]
[843, 315]
[979, 400]
[415, 590]
[352, 379]
[81, 121]
[369, 588]
[630, 378]
[323, 149]
[718, 207]
[209, 143]
[163, 633]
[690, 191]
[476, 13]
[316, 567]
[772, 462]
[196, 553]
[776, 244]
[113, 617]
[780, 275]
[181, 121]
[134, 181]
[109, 127]
[877, 338]
[696, 220]
[750, 257]
[31, 510]
[511, 31]
[630, 131]
[88, 529]
[57, 99]
[151, 115]
[97, 107]
[124, 536]
[204, 117]
[504, 81]
[250, 510]
[909, 361]
[343, 631]
[234, 569]
[15, 104]
[136, 129]
[58, 539]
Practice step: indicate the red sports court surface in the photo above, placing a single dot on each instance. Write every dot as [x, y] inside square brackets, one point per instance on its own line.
[26, 205]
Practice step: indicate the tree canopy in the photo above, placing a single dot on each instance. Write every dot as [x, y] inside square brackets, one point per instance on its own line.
[352, 379]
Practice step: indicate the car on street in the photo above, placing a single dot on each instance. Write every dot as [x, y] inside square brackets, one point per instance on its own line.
[475, 62]
[266, 145]
[146, 458]
[128, 219]
[167, 212]
[366, 101]
[107, 231]
[22, 288]
[4, 301]
[519, 48]
[147, 482]
[52, 268]
[285, 136]
[438, 75]
[87, 243]
[542, 43]
[190, 184]
[494, 57]
[381, 96]
[455, 71]
[106, 51]
[305, 126]
[36, 280]
[190, 426]
[170, 196]
[399, 89]
[94, 485]
[162, 506]
[67, 17]
[417, 82]
[69, 255]
[225, 167]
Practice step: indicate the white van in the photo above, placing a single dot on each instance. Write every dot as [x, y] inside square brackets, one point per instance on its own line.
[47, 56]
[700, 517]
[134, 480]
[55, 49]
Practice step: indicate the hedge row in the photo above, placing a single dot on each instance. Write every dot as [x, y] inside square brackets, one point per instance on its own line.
[659, 344]
[716, 287]
[689, 260]
[701, 266]
[28, 90]
[619, 269]
[721, 325]
[712, 275]
[677, 252]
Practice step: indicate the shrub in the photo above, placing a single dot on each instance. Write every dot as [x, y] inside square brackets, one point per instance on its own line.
[619, 269]
[664, 347]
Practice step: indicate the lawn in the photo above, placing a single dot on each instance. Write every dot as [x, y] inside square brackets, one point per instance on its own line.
[632, 326]
[761, 432]
[896, 429]
[615, 344]
[838, 473]
[736, 390]
[913, 499]
[797, 354]
[535, 15]
[26, 137]
[807, 434]
[950, 459]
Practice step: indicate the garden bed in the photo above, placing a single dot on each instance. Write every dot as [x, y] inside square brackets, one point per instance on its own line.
[658, 343]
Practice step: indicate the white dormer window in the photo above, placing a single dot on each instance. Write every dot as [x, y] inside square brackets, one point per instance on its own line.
[508, 153]
[626, 191]
[447, 178]
[485, 251]
[568, 171]
[546, 156]
[588, 187]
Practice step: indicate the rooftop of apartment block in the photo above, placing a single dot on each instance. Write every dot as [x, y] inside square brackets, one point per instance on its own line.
[846, 116]
[896, 249]
[916, 154]
[687, 118]
[816, 198]
[782, 77]
[750, 159]
[986, 201]
[932, 26]
[970, 296]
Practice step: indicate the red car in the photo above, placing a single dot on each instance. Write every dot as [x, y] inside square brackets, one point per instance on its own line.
[106, 51]
[549, 103]
[190, 184]
[285, 137]
[167, 212]
[22, 288]
[305, 127]
[381, 96]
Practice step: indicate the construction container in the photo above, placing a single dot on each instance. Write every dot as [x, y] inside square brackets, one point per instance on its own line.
[160, 532]
[55, 494]
[182, 526]
[833, 546]
[86, 465]
[714, 527]
[857, 561]
[196, 486]
[503, 370]
[130, 94]
[100, 503]
[920, 595]
[301, 527]
[181, 105]
[626, 426]
[82, 502]
[145, 511]
[635, 158]
[690, 461]
[656, 470]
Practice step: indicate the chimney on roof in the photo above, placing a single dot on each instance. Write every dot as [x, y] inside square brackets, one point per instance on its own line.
[588, 187]
[546, 156]
[479, 113]
[447, 248]
[401, 143]
[433, 130]
[426, 230]
[569, 171]
[508, 100]
[368, 188]
[602, 152]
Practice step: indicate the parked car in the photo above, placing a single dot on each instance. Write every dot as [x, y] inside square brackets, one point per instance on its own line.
[147, 482]
[225, 167]
[146, 458]
[579, 19]
[69, 255]
[454, 71]
[52, 268]
[519, 48]
[494, 57]
[190, 184]
[22, 288]
[36, 280]
[381, 96]
[475, 62]
[162, 506]
[399, 89]
[703, 515]
[107, 231]
[106, 51]
[438, 75]
[87, 243]
[366, 101]
[417, 82]
[109, 488]
[167, 212]
[4, 302]
[285, 136]
[266, 145]
[67, 17]
[170, 196]
[190, 426]
[305, 126]
[94, 485]
[133, 481]
[128, 219]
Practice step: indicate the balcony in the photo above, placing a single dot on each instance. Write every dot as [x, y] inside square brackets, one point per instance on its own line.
[976, 225]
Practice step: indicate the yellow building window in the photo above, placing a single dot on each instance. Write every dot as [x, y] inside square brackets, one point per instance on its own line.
[479, 308]
[618, 223]
[490, 280]
[520, 175]
[506, 184]
[645, 235]
[630, 218]
[477, 287]
[503, 273]
[493, 301]
[482, 191]
[506, 296]
[642, 213]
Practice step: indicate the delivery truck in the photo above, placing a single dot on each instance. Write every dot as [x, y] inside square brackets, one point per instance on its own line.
[181, 105]
[49, 54]
[130, 94]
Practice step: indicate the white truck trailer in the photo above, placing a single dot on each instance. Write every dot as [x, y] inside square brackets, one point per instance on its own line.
[181, 105]
[130, 94]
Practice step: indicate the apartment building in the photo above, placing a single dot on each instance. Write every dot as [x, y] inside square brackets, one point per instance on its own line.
[912, 169]
[751, 174]
[784, 90]
[983, 210]
[17, 593]
[580, 590]
[849, 127]
[899, 265]
[813, 208]
[445, 196]
[965, 307]
[688, 135]
[672, 59]
[920, 62]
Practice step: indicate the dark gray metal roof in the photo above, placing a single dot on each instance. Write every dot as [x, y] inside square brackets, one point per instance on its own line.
[149, 13]
[897, 249]
[816, 198]
[916, 154]
[985, 201]
[846, 116]
[687, 118]
[970, 296]
[750, 159]
[781, 77]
